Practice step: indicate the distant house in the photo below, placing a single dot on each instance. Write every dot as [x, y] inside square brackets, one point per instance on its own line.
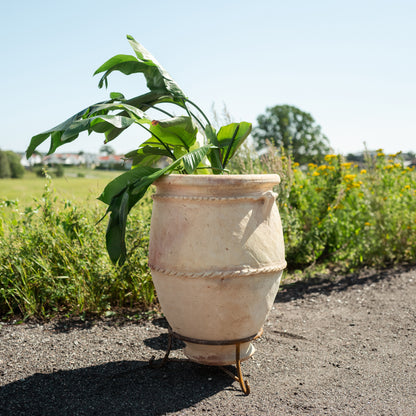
[71, 159]
[113, 162]
[32, 161]
[89, 160]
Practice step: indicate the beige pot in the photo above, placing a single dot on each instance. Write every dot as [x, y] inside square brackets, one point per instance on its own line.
[216, 254]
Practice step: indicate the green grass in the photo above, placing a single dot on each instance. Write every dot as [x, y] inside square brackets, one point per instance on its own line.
[71, 186]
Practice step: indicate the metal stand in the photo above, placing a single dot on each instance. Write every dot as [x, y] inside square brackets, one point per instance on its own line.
[245, 387]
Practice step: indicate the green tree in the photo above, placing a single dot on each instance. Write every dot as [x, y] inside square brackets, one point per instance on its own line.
[16, 168]
[5, 171]
[293, 129]
[108, 150]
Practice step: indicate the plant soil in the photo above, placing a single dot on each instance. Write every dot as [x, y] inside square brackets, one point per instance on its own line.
[345, 346]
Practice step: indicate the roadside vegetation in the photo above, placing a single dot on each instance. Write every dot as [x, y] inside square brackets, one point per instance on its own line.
[338, 216]
[341, 215]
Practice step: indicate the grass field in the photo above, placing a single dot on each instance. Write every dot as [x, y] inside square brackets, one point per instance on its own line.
[76, 184]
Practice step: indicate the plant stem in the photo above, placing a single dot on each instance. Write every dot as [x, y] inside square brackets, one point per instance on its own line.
[203, 114]
[160, 140]
[229, 147]
[162, 111]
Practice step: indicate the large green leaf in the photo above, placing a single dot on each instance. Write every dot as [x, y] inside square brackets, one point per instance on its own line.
[143, 103]
[123, 192]
[116, 228]
[40, 138]
[215, 155]
[147, 155]
[119, 184]
[92, 118]
[192, 159]
[156, 76]
[231, 137]
[127, 64]
[177, 131]
[118, 194]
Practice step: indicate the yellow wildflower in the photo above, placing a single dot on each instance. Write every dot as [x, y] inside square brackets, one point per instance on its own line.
[328, 158]
[367, 224]
[363, 171]
[346, 165]
[315, 173]
[349, 177]
[295, 165]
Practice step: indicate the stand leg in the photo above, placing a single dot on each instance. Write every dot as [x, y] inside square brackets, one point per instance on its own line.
[244, 384]
[166, 357]
[245, 387]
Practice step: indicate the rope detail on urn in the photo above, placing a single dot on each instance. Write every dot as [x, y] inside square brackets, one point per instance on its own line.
[266, 195]
[246, 271]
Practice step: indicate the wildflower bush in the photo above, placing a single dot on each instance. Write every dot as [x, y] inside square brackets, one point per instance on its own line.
[53, 260]
[341, 214]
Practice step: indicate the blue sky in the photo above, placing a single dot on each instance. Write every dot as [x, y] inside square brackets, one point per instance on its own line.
[352, 65]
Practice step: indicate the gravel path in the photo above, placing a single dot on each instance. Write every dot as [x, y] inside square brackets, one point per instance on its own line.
[346, 347]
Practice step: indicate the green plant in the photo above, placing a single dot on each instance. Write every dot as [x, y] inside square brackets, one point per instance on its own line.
[53, 260]
[5, 170]
[175, 137]
[17, 170]
[341, 214]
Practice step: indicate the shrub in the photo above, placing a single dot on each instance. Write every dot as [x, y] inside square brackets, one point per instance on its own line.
[5, 170]
[16, 168]
[53, 260]
[340, 214]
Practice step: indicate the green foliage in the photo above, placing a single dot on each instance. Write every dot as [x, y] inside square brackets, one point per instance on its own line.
[5, 170]
[340, 214]
[336, 215]
[294, 130]
[108, 150]
[53, 260]
[16, 169]
[57, 171]
[174, 138]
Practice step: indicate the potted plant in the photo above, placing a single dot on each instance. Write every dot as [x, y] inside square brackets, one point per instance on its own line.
[216, 245]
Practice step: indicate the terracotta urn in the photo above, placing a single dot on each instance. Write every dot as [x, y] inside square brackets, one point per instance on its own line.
[216, 254]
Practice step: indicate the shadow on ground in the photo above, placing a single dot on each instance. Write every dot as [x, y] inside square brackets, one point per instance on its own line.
[325, 285]
[116, 388]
